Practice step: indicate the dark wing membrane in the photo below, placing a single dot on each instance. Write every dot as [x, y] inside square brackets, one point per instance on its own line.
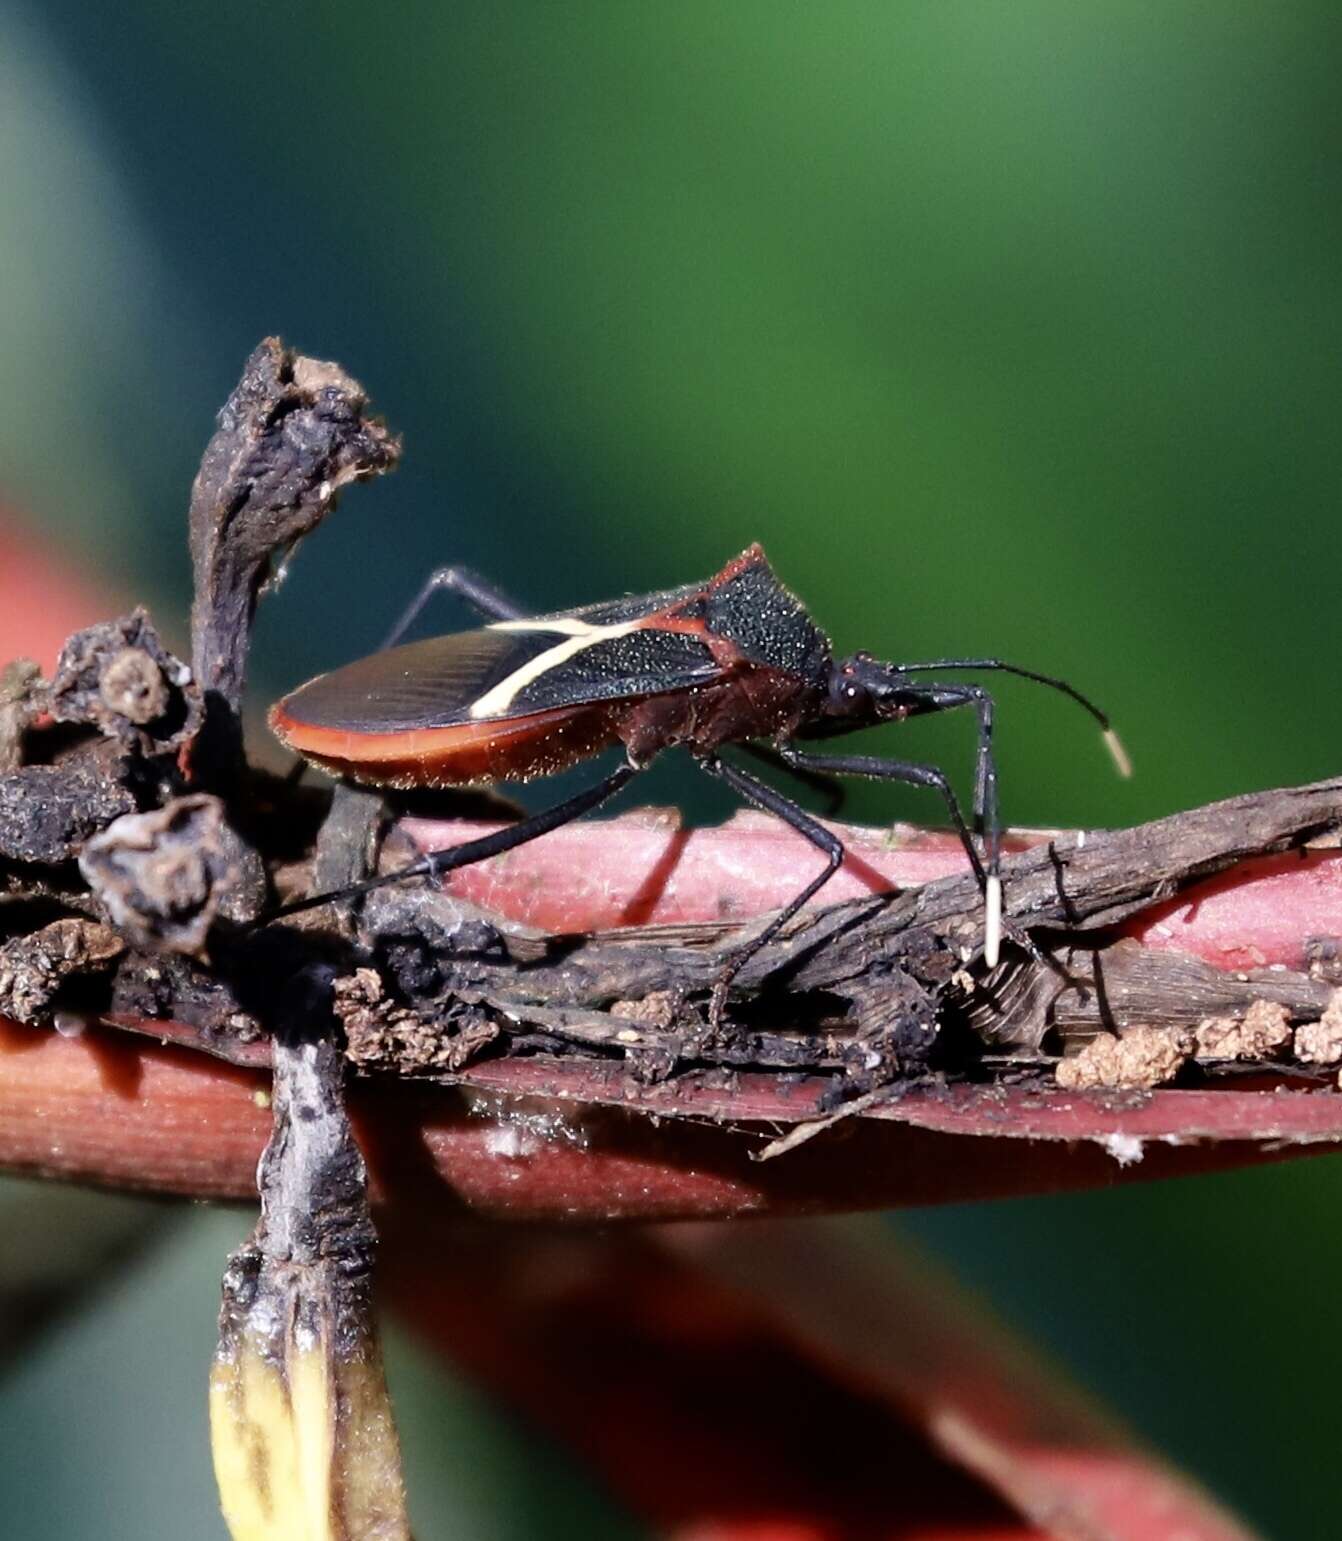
[436, 682]
[631, 607]
[428, 684]
[640, 663]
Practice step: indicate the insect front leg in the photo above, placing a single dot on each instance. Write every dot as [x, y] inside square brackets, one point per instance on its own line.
[941, 698]
[877, 768]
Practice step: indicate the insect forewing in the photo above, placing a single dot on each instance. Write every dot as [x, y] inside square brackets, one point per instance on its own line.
[509, 670]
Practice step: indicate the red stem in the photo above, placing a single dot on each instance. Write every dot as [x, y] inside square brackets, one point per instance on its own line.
[643, 868]
[111, 1109]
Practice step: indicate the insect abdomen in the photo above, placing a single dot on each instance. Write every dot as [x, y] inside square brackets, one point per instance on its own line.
[515, 749]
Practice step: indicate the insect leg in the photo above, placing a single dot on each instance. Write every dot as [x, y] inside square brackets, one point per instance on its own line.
[878, 768]
[457, 580]
[881, 769]
[832, 790]
[470, 586]
[433, 864]
[941, 698]
[784, 808]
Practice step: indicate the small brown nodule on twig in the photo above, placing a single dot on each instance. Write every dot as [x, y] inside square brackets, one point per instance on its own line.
[33, 968]
[119, 678]
[377, 1028]
[162, 875]
[1264, 1029]
[1320, 1043]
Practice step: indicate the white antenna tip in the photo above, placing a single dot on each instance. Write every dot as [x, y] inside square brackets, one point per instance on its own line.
[992, 920]
[1114, 745]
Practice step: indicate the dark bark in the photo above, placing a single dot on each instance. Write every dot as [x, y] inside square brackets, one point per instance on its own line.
[294, 432]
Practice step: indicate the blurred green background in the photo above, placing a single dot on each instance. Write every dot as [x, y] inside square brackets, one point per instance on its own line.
[1006, 328]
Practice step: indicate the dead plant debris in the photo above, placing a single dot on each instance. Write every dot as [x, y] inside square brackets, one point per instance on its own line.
[33, 968]
[378, 1030]
[119, 678]
[127, 808]
[1320, 1043]
[48, 812]
[1142, 1058]
[294, 432]
[163, 874]
[1263, 1031]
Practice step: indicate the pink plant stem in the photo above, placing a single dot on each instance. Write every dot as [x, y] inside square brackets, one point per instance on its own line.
[538, 1139]
[645, 869]
[533, 1142]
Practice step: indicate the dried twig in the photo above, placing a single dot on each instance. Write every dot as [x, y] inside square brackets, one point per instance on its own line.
[304, 1442]
[291, 436]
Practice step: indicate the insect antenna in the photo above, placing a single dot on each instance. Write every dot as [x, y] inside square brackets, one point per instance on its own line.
[1118, 753]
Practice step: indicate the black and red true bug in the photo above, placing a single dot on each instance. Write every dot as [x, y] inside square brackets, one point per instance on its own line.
[732, 661]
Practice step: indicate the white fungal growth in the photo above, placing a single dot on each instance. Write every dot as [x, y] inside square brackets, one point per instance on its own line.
[1126, 1149]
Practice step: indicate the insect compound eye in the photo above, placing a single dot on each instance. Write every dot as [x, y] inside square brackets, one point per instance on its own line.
[848, 693]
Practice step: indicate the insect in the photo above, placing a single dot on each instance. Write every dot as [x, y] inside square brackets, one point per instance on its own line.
[735, 661]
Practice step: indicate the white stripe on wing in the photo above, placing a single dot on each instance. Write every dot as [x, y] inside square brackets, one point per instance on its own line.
[580, 636]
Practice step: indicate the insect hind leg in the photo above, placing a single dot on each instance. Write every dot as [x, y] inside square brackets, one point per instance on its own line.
[467, 584]
[434, 864]
[492, 603]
